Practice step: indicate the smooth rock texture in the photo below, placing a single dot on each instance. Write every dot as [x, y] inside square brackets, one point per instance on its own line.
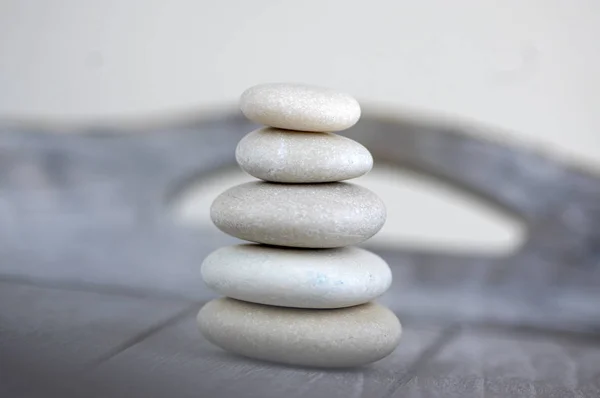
[300, 107]
[302, 215]
[282, 156]
[328, 278]
[343, 337]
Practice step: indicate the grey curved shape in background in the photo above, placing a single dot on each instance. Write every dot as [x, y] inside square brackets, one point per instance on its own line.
[100, 197]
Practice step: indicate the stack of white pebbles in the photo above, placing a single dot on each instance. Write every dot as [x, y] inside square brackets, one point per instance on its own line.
[301, 294]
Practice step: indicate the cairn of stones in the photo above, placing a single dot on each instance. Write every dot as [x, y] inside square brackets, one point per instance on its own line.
[301, 293]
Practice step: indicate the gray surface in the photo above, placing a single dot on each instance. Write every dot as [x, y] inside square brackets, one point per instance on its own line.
[180, 358]
[48, 336]
[98, 287]
[501, 363]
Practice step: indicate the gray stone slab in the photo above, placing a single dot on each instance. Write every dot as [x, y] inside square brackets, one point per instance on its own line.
[49, 336]
[507, 363]
[178, 362]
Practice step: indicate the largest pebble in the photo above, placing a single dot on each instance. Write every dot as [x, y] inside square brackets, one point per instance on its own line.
[309, 215]
[327, 338]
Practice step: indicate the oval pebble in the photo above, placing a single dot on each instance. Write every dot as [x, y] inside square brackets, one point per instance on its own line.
[330, 278]
[280, 156]
[343, 337]
[302, 215]
[300, 107]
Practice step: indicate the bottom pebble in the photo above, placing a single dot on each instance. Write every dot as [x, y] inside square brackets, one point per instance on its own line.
[341, 337]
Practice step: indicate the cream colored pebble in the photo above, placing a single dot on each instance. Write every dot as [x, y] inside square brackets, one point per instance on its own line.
[328, 278]
[300, 107]
[280, 156]
[343, 337]
[299, 215]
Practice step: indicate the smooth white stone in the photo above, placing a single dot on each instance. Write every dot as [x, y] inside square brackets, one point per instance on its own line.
[328, 278]
[300, 107]
[294, 157]
[342, 337]
[299, 215]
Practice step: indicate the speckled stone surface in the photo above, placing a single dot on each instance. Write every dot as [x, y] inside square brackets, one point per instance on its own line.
[300, 107]
[294, 157]
[300, 215]
[327, 278]
[343, 337]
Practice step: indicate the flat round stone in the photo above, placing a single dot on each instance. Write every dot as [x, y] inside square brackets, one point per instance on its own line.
[329, 278]
[326, 215]
[282, 156]
[343, 337]
[300, 107]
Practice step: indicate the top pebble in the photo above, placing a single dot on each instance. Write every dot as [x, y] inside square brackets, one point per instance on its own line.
[300, 107]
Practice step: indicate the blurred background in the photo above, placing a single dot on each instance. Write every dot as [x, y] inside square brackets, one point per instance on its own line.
[107, 106]
[524, 71]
